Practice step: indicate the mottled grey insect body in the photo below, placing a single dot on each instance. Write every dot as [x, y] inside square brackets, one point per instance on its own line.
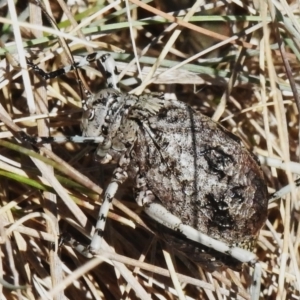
[205, 191]
[190, 165]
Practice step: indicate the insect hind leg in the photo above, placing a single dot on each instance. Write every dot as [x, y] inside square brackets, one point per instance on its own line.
[256, 281]
[160, 214]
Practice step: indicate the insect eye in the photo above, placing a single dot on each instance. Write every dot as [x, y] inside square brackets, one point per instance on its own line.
[91, 114]
[104, 130]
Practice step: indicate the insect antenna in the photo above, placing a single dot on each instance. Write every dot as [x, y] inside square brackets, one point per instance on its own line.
[109, 72]
[82, 83]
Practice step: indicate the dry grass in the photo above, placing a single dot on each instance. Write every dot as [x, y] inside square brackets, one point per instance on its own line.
[228, 63]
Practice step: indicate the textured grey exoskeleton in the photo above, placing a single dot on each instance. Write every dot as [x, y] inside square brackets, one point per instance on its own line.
[203, 188]
[182, 160]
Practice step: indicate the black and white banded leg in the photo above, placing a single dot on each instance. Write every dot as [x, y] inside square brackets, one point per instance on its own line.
[119, 177]
[160, 214]
[106, 60]
[156, 211]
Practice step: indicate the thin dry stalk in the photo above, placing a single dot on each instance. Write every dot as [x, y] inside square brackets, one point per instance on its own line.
[241, 77]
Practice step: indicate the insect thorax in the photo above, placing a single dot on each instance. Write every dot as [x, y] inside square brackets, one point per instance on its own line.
[115, 116]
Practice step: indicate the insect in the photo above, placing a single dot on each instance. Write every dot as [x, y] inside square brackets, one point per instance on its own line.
[204, 190]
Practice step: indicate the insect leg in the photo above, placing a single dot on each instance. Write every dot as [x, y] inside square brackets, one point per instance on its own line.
[106, 60]
[49, 140]
[256, 281]
[53, 74]
[119, 177]
[159, 213]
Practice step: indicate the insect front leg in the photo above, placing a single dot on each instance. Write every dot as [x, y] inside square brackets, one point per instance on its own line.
[106, 60]
[109, 65]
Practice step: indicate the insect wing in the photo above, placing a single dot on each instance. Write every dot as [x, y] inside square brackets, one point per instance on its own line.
[202, 174]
